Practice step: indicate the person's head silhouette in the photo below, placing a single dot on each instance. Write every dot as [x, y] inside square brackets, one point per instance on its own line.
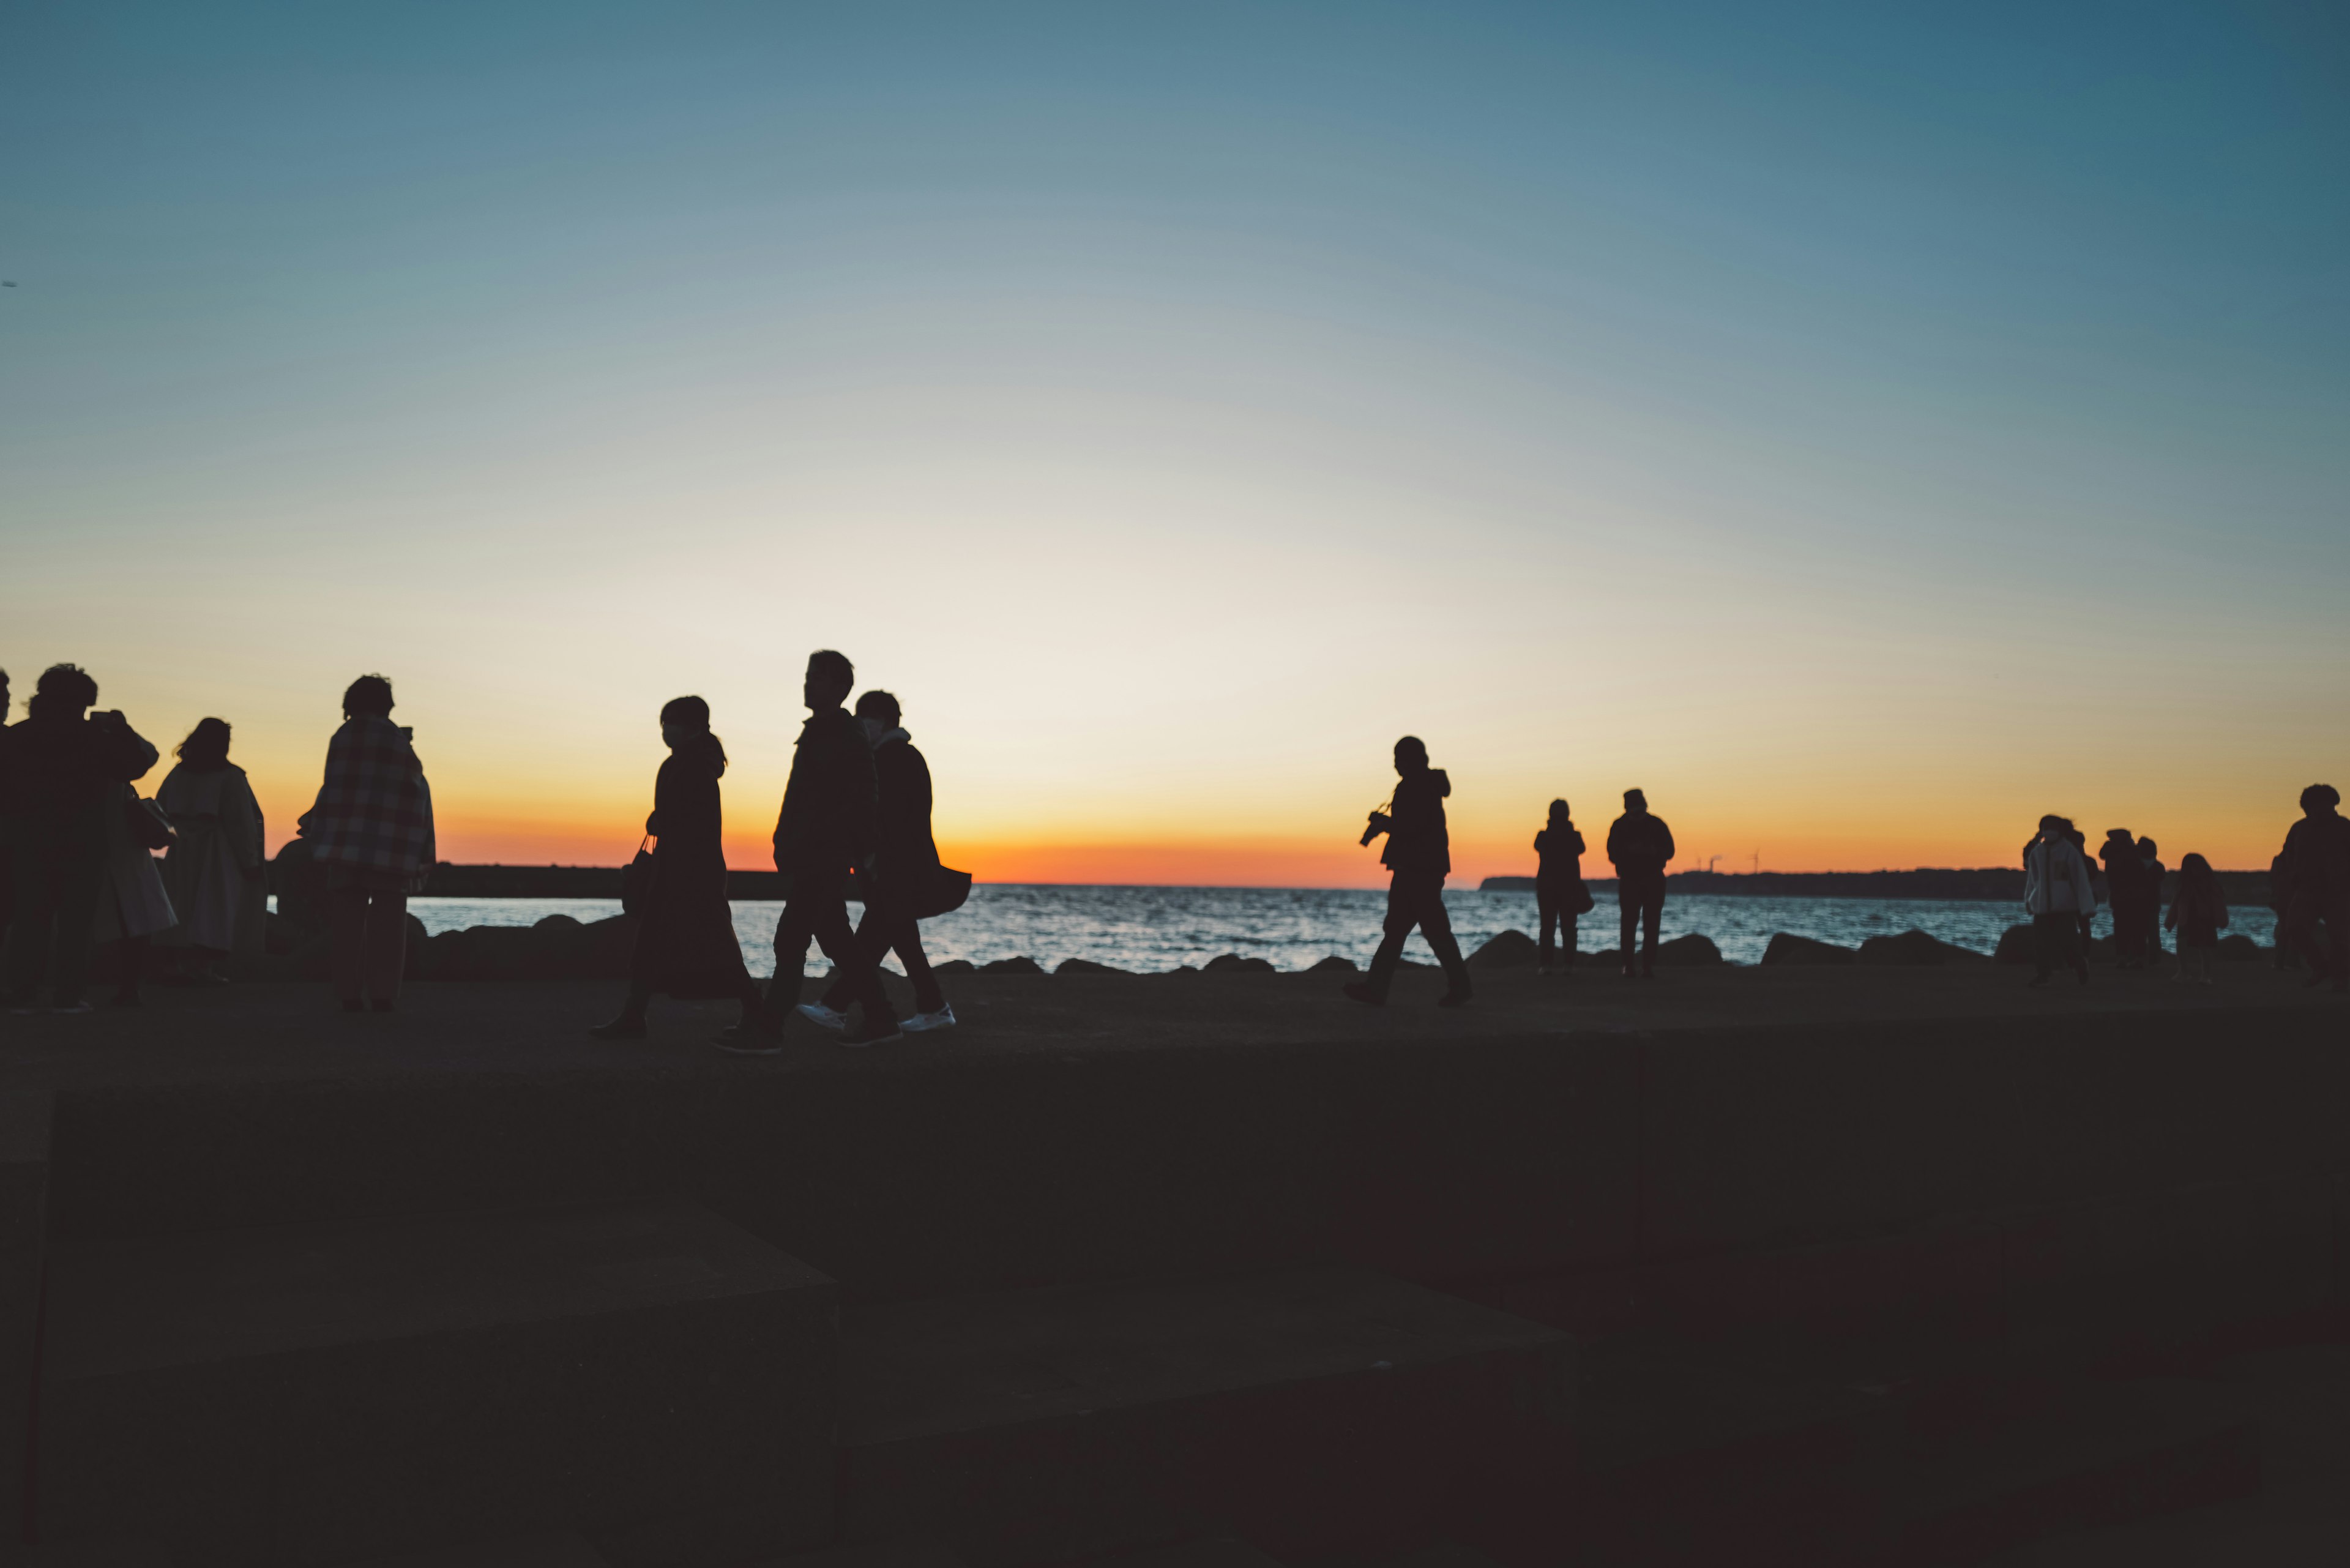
[206, 748]
[64, 691]
[369, 697]
[830, 679]
[685, 730]
[2320, 800]
[1634, 802]
[1410, 755]
[2051, 825]
[1559, 815]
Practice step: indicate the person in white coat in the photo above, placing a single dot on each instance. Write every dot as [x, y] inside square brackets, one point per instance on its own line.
[2059, 897]
[215, 872]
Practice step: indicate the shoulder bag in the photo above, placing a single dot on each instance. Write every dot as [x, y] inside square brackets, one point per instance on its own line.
[637, 880]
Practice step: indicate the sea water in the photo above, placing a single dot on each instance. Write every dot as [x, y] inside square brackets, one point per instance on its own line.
[1154, 928]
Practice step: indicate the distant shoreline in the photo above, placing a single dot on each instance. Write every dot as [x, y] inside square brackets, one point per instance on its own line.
[1991, 884]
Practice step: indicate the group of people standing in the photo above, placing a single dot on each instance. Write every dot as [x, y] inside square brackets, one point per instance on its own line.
[1418, 858]
[856, 810]
[78, 844]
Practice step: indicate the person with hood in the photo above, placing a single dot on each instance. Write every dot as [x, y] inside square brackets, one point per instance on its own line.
[2126, 892]
[216, 871]
[1640, 845]
[1559, 893]
[823, 831]
[65, 770]
[2056, 890]
[685, 942]
[371, 836]
[1419, 854]
[2317, 864]
[2196, 912]
[905, 865]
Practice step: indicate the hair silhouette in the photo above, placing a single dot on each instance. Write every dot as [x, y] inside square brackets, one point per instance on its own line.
[693, 713]
[2319, 794]
[69, 684]
[833, 666]
[1558, 811]
[368, 697]
[878, 704]
[206, 747]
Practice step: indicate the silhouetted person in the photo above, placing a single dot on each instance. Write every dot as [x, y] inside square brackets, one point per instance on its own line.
[64, 770]
[2056, 889]
[2150, 862]
[1418, 854]
[133, 909]
[825, 829]
[214, 870]
[1559, 893]
[370, 833]
[2317, 863]
[905, 865]
[2283, 954]
[2196, 912]
[2088, 920]
[1640, 845]
[2126, 890]
[686, 944]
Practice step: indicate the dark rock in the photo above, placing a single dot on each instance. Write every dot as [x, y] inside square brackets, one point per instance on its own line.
[1915, 947]
[955, 966]
[1511, 950]
[1333, 965]
[1015, 965]
[2238, 947]
[1087, 966]
[1506, 884]
[1786, 948]
[1233, 963]
[1692, 950]
[2016, 945]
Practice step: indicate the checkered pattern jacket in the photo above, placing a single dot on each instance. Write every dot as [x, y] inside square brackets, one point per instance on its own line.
[375, 810]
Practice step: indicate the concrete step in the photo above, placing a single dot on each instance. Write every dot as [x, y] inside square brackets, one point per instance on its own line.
[1212, 1551]
[110, 1552]
[898, 1552]
[644, 1374]
[1311, 1411]
[561, 1548]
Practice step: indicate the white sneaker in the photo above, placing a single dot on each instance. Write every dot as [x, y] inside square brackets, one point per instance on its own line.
[921, 1022]
[824, 1017]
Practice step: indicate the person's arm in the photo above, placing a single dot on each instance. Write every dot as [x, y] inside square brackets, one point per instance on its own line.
[1576, 835]
[860, 800]
[240, 820]
[1667, 835]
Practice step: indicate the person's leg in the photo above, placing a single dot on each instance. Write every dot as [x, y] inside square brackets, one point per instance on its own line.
[873, 935]
[833, 933]
[1546, 912]
[792, 933]
[131, 955]
[2309, 938]
[1627, 908]
[1400, 919]
[2047, 947]
[387, 947]
[1436, 925]
[346, 923]
[33, 889]
[928, 997]
[1566, 936]
[1652, 917]
[82, 877]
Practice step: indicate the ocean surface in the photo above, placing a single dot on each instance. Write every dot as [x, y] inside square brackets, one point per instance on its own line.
[1154, 928]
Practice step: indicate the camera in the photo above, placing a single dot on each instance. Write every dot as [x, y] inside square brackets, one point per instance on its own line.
[1380, 821]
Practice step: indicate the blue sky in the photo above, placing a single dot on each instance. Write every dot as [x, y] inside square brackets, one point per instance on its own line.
[1808, 411]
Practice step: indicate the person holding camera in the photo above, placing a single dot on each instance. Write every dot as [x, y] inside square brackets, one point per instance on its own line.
[66, 771]
[1418, 854]
[1639, 844]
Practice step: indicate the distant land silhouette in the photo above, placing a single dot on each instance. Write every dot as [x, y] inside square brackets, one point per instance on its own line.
[1989, 883]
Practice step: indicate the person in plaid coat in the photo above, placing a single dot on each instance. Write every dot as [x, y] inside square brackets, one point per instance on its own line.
[372, 837]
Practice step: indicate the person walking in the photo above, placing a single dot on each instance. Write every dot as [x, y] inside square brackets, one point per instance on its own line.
[62, 771]
[1419, 857]
[1640, 845]
[2198, 911]
[905, 868]
[1559, 893]
[686, 944]
[2126, 891]
[2056, 889]
[2317, 864]
[371, 838]
[823, 832]
[214, 870]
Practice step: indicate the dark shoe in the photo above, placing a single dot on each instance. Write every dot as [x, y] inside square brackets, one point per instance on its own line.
[627, 1026]
[752, 1034]
[1359, 991]
[1457, 997]
[870, 1034]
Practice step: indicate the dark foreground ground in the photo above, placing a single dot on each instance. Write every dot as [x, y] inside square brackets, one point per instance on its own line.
[1843, 1265]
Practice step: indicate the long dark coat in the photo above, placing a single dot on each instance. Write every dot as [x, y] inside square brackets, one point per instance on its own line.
[687, 946]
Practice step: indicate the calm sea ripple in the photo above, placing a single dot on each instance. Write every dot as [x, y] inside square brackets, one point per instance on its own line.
[1154, 928]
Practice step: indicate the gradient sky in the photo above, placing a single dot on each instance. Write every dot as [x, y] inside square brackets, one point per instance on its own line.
[1864, 427]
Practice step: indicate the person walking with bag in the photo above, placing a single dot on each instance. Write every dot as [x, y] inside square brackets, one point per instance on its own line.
[216, 872]
[824, 831]
[907, 877]
[66, 775]
[1559, 893]
[686, 944]
[371, 838]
